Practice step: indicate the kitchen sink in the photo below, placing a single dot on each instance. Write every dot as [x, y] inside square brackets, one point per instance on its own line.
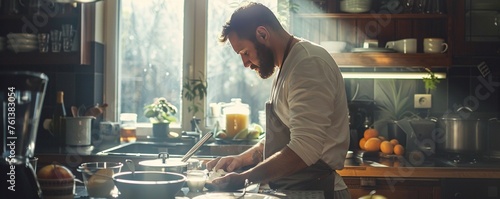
[141, 148]
[147, 149]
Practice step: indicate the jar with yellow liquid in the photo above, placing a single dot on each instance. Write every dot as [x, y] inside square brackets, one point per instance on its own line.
[237, 116]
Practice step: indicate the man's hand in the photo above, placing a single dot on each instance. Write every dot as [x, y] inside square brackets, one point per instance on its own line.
[228, 163]
[229, 182]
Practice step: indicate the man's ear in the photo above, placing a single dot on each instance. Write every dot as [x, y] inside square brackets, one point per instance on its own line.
[261, 34]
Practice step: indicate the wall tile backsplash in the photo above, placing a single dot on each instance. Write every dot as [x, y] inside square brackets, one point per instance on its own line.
[460, 88]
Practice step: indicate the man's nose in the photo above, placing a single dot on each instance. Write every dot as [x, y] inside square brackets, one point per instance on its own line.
[246, 61]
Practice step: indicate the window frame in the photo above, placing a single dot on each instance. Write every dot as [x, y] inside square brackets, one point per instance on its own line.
[194, 60]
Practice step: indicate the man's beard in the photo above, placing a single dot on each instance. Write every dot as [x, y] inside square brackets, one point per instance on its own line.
[266, 60]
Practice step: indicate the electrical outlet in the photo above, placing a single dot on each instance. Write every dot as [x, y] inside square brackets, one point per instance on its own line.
[423, 101]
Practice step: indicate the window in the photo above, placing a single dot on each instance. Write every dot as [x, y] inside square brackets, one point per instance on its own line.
[150, 53]
[158, 46]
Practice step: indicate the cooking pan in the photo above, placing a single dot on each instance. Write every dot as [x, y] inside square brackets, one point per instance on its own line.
[464, 132]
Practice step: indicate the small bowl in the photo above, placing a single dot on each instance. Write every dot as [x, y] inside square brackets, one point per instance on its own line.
[334, 46]
[355, 6]
[97, 177]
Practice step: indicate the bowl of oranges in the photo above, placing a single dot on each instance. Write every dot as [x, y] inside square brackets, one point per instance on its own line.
[373, 142]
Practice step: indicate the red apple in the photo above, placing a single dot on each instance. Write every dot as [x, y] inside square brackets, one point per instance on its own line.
[54, 171]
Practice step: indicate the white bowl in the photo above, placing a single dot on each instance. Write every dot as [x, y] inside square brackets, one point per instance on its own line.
[22, 42]
[334, 46]
[355, 6]
[21, 36]
[22, 48]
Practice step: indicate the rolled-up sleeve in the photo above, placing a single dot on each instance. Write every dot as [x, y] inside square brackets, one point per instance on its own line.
[310, 98]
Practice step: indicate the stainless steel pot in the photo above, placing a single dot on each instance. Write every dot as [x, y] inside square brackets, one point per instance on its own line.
[464, 133]
[493, 137]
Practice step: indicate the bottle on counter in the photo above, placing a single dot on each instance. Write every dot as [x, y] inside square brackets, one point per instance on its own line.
[58, 119]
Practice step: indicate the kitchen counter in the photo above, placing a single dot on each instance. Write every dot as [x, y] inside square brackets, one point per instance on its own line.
[432, 168]
[368, 166]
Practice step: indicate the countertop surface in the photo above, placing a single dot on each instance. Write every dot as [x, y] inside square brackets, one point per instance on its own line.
[359, 165]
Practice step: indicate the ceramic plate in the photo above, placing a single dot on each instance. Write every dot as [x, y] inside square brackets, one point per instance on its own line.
[21, 36]
[22, 48]
[22, 41]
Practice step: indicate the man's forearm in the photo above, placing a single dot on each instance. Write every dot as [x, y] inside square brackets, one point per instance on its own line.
[253, 155]
[282, 163]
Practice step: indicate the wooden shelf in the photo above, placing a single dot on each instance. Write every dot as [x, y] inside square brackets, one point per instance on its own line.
[33, 58]
[392, 59]
[373, 16]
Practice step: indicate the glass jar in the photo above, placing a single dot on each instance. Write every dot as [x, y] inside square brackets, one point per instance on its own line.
[128, 122]
[237, 116]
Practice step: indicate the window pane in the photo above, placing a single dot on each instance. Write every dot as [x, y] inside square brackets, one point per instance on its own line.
[150, 53]
[227, 77]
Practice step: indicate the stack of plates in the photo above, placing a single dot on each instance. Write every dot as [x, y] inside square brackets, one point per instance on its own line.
[22, 42]
[355, 6]
[2, 44]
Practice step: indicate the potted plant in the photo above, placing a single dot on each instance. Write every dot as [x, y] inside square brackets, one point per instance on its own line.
[161, 114]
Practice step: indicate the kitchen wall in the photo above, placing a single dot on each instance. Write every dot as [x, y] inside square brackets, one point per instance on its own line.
[458, 89]
[82, 85]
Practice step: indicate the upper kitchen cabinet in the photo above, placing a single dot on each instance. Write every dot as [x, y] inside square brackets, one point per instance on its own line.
[367, 31]
[31, 17]
[477, 30]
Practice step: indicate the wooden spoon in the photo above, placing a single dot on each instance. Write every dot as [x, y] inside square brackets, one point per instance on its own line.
[74, 111]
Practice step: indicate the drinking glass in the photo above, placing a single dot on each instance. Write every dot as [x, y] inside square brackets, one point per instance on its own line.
[43, 42]
[56, 40]
[67, 36]
[128, 127]
[196, 180]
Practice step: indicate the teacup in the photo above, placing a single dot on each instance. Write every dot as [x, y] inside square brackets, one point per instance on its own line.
[435, 45]
[404, 45]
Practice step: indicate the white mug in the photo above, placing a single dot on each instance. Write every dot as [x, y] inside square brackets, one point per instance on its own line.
[435, 45]
[404, 45]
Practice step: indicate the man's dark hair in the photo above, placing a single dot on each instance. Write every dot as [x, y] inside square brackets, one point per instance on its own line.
[246, 19]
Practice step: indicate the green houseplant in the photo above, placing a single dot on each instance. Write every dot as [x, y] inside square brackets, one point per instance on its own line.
[161, 114]
[430, 81]
[194, 89]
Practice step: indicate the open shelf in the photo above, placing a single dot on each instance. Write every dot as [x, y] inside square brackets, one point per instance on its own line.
[35, 57]
[392, 59]
[373, 16]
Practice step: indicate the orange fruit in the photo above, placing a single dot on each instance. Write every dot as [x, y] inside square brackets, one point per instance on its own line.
[394, 142]
[372, 144]
[370, 133]
[362, 143]
[386, 147]
[399, 149]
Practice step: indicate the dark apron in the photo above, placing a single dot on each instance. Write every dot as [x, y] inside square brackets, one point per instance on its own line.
[318, 176]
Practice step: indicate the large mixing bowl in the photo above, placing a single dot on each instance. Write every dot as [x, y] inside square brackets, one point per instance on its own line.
[149, 184]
